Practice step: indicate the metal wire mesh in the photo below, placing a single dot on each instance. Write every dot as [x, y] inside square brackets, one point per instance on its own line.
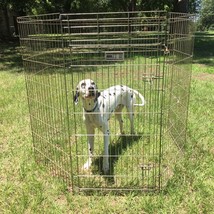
[150, 52]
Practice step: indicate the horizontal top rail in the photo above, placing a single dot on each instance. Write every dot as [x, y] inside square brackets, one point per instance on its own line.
[131, 15]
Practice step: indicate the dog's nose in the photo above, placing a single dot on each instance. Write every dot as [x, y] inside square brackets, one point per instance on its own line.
[91, 88]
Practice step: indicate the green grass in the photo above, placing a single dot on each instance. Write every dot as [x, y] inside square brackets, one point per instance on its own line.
[25, 187]
[122, 167]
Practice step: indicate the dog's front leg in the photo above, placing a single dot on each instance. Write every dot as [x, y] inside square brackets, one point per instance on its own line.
[90, 137]
[106, 133]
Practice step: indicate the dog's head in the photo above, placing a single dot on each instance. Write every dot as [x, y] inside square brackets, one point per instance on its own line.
[86, 89]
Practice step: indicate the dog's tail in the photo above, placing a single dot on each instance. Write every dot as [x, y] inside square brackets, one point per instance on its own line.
[141, 97]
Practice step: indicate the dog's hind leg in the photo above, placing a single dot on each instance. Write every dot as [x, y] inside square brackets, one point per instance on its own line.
[130, 111]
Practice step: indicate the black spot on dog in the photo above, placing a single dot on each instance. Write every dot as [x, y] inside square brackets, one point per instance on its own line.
[103, 105]
[110, 94]
[132, 96]
[121, 86]
[114, 94]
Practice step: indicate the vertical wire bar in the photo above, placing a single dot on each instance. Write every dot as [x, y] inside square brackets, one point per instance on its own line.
[66, 91]
[160, 93]
[189, 22]
[164, 111]
[74, 157]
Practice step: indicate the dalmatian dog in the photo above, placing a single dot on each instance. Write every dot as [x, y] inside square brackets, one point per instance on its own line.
[97, 109]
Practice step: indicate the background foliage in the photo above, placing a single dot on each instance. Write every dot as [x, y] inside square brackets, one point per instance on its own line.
[206, 15]
[46, 6]
[204, 8]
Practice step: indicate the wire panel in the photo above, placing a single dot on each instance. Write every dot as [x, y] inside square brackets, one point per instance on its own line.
[148, 51]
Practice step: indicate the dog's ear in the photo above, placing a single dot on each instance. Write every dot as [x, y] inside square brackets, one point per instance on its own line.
[76, 96]
[97, 95]
[97, 92]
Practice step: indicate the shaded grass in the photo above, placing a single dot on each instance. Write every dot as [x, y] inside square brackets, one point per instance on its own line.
[27, 188]
[10, 57]
[204, 49]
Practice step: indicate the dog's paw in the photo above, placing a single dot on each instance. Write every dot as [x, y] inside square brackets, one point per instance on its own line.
[106, 169]
[87, 165]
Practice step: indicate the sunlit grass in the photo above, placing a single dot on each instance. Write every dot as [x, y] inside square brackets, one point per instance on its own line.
[27, 188]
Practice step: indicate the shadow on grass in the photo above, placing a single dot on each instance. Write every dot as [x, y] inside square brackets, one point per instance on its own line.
[204, 34]
[204, 48]
[116, 149]
[10, 57]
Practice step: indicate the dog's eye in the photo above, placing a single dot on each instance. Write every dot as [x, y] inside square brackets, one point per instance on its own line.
[83, 85]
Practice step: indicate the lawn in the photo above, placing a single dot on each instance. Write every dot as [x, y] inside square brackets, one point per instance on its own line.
[26, 187]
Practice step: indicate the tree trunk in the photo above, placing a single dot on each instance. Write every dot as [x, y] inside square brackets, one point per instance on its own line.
[132, 5]
[7, 23]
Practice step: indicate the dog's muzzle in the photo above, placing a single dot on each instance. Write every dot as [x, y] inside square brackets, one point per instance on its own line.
[91, 92]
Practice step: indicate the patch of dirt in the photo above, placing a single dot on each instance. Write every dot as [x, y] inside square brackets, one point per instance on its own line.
[212, 150]
[203, 76]
[61, 200]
